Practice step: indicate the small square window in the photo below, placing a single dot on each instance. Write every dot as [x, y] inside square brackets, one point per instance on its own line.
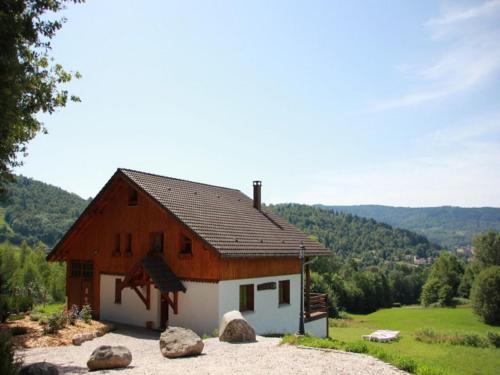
[132, 197]
[246, 297]
[186, 245]
[284, 292]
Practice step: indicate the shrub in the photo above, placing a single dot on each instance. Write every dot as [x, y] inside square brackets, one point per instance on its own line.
[72, 315]
[338, 323]
[55, 322]
[425, 370]
[35, 317]
[8, 364]
[18, 330]
[406, 364]
[356, 347]
[16, 317]
[485, 295]
[4, 309]
[86, 313]
[468, 339]
[427, 335]
[494, 339]
[20, 303]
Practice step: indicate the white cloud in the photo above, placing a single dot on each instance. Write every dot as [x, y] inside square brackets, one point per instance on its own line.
[465, 14]
[473, 55]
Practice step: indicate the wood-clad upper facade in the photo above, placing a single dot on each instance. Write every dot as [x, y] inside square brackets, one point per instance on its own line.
[126, 221]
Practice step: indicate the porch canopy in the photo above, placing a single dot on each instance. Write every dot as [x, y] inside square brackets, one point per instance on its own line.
[152, 269]
[161, 274]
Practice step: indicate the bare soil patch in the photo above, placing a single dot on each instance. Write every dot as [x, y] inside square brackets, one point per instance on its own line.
[36, 338]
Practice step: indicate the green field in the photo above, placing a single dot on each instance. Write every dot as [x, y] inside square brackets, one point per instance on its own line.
[450, 359]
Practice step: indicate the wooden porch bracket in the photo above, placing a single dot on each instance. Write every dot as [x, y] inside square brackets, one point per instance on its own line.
[173, 303]
[134, 279]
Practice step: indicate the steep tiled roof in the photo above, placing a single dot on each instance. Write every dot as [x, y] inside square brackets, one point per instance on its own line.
[225, 218]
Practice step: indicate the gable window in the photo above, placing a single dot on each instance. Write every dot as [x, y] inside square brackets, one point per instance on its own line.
[156, 242]
[117, 250]
[246, 297]
[186, 245]
[132, 197]
[128, 249]
[284, 292]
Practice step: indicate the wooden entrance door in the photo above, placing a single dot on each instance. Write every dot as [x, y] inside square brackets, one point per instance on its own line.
[86, 292]
[81, 283]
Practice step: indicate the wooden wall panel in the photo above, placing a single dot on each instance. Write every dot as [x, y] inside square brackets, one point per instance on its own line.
[243, 268]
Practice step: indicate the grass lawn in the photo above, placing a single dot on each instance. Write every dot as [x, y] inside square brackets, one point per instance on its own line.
[48, 309]
[450, 359]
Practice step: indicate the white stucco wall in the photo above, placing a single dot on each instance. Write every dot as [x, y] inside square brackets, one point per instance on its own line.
[131, 310]
[198, 307]
[316, 327]
[204, 304]
[268, 316]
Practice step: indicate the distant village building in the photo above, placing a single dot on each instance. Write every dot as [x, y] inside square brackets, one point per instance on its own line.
[421, 261]
[153, 251]
[466, 252]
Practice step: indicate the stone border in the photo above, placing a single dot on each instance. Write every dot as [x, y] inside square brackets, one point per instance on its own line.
[80, 338]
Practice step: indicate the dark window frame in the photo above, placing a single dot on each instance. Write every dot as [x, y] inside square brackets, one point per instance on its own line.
[186, 245]
[247, 298]
[156, 242]
[133, 198]
[283, 292]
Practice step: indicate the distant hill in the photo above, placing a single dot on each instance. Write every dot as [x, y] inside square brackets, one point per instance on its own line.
[451, 227]
[356, 237]
[35, 211]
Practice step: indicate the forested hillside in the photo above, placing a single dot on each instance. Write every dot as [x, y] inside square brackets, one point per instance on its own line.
[350, 236]
[450, 227]
[35, 211]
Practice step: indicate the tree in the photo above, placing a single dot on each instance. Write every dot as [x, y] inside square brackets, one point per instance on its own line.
[444, 279]
[485, 295]
[430, 291]
[30, 81]
[470, 273]
[487, 246]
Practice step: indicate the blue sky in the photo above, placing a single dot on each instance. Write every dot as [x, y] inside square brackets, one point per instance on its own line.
[334, 102]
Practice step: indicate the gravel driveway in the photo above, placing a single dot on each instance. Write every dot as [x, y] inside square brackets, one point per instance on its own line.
[263, 357]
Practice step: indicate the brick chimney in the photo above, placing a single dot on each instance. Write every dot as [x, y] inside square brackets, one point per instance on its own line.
[257, 185]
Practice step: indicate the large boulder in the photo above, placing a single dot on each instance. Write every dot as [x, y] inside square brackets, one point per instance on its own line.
[180, 342]
[106, 356]
[39, 368]
[234, 327]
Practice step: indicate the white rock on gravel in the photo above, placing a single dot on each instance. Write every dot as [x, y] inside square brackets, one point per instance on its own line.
[265, 356]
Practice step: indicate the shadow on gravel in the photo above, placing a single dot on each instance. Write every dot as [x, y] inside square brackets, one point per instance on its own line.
[136, 332]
